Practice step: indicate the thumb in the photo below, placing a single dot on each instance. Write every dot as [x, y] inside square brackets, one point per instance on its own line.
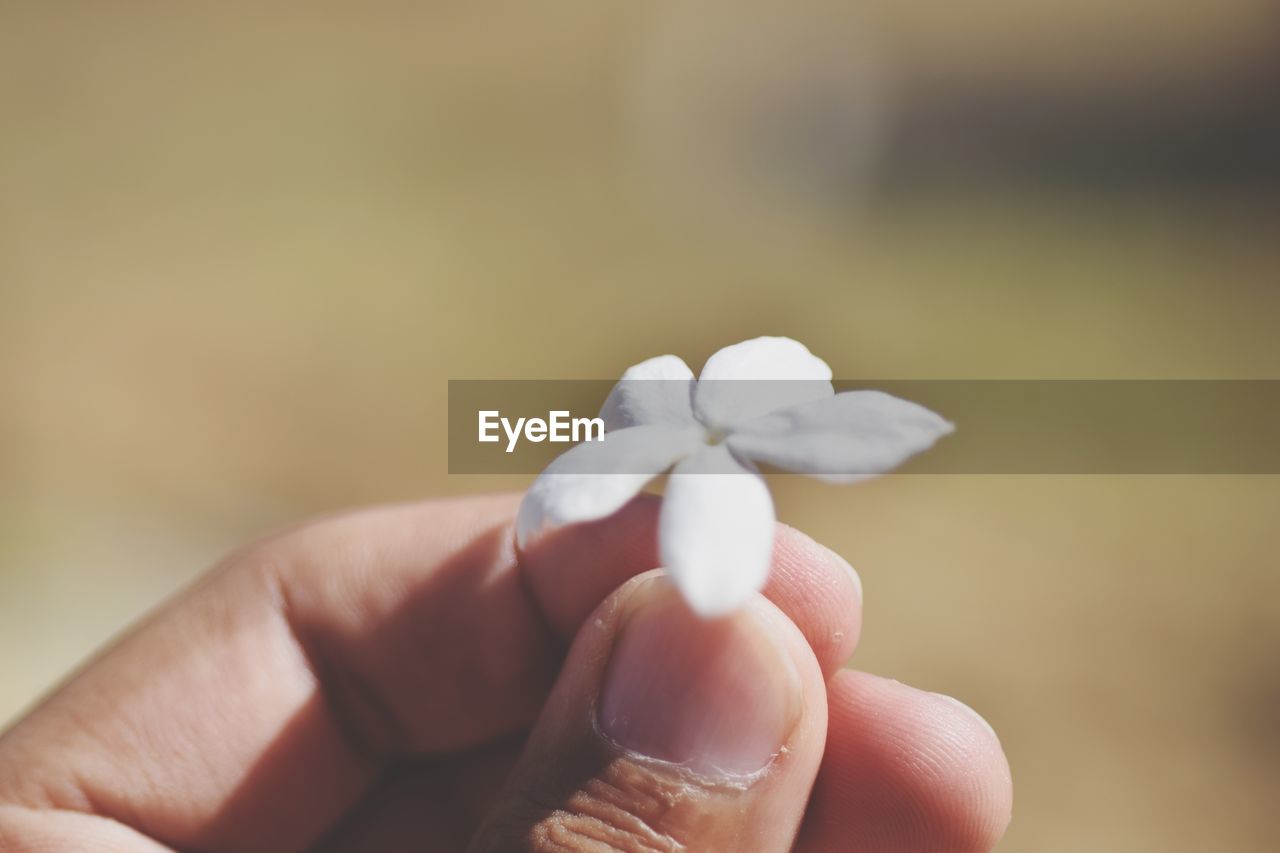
[668, 732]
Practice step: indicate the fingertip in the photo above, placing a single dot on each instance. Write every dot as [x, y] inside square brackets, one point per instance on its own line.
[983, 729]
[821, 592]
[973, 771]
[853, 575]
[906, 770]
[570, 570]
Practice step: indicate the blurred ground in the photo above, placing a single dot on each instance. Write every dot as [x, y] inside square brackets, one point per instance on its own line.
[243, 248]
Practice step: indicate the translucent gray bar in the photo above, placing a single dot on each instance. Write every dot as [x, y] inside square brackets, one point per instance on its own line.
[1002, 426]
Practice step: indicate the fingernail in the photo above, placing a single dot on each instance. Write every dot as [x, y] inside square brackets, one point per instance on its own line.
[717, 696]
[853, 573]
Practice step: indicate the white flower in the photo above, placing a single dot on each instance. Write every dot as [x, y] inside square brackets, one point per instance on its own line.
[716, 526]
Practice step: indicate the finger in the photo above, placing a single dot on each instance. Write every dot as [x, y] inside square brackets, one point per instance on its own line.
[665, 731]
[904, 771]
[256, 708]
[570, 571]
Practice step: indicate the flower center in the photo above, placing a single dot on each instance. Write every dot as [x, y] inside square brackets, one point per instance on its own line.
[716, 435]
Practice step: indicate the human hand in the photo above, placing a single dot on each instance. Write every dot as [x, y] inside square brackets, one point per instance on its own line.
[399, 679]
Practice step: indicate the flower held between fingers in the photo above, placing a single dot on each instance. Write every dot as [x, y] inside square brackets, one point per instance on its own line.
[766, 400]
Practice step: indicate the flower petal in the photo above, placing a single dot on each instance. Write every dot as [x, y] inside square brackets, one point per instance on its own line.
[848, 437]
[715, 531]
[596, 478]
[657, 391]
[785, 374]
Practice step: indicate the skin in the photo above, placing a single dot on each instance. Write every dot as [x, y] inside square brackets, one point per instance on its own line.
[371, 681]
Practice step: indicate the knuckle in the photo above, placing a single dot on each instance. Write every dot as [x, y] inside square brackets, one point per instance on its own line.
[628, 807]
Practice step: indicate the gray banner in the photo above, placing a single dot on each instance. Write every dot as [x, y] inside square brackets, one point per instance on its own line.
[1002, 426]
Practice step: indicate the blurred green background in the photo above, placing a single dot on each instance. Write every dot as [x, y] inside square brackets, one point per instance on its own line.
[243, 246]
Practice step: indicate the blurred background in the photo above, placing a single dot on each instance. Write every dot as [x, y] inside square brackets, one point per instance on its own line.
[243, 246]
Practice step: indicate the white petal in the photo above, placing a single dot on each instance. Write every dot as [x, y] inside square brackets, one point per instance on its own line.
[715, 532]
[595, 478]
[657, 391]
[847, 437]
[785, 374]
